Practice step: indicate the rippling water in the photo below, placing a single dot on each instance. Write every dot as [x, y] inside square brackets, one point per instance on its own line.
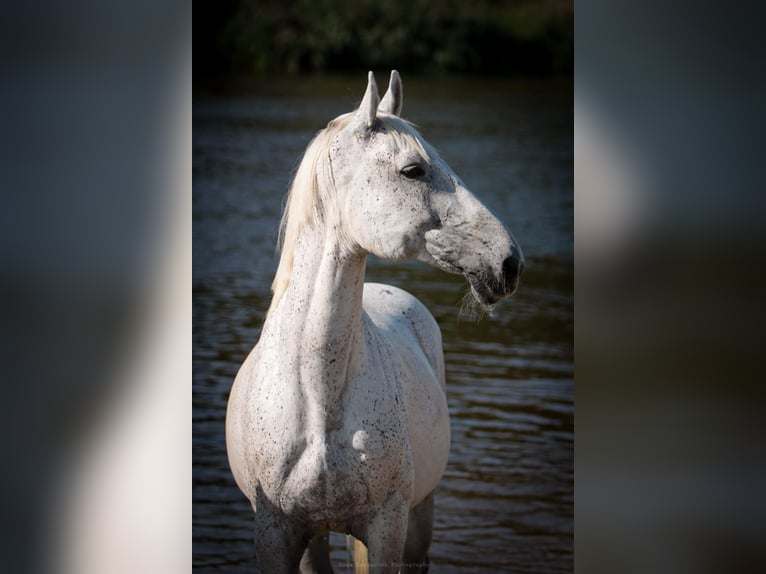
[505, 503]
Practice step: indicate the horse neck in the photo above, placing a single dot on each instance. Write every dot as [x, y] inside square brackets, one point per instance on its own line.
[321, 321]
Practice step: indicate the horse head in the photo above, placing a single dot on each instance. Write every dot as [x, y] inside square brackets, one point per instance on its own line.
[398, 199]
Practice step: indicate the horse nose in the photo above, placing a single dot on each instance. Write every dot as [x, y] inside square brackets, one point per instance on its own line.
[512, 268]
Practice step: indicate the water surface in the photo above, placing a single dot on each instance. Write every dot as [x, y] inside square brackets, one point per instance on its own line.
[505, 503]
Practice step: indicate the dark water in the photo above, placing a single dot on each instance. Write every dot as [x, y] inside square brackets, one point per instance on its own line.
[505, 503]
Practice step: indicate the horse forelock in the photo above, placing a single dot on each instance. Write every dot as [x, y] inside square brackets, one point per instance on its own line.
[312, 186]
[405, 135]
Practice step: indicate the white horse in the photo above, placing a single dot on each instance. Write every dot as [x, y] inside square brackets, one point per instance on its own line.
[337, 420]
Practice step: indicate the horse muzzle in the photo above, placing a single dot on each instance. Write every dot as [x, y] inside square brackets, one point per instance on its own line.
[488, 290]
[492, 277]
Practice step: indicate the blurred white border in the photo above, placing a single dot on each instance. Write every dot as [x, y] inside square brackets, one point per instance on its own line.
[126, 506]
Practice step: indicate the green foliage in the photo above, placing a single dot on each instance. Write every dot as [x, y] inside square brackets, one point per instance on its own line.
[420, 36]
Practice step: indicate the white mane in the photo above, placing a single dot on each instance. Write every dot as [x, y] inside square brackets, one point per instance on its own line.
[311, 196]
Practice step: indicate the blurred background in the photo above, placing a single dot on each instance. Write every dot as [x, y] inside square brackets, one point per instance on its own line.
[95, 265]
[489, 84]
[669, 287]
[241, 39]
[95, 312]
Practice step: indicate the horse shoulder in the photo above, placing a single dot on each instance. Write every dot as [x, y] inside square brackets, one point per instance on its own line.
[261, 419]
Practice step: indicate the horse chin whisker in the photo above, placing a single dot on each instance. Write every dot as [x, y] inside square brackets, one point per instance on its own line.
[480, 300]
[472, 307]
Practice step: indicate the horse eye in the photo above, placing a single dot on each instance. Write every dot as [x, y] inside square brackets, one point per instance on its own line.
[413, 171]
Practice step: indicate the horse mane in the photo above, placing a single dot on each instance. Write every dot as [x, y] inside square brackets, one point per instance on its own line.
[312, 188]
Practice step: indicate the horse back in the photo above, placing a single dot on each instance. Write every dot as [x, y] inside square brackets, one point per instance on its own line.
[402, 314]
[412, 330]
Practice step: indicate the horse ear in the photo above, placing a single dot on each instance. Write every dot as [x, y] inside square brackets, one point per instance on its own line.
[365, 115]
[392, 101]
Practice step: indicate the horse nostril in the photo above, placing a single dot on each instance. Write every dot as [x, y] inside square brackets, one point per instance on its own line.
[512, 268]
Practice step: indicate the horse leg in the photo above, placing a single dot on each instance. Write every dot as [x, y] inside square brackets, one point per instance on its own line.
[385, 536]
[316, 558]
[419, 530]
[279, 544]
